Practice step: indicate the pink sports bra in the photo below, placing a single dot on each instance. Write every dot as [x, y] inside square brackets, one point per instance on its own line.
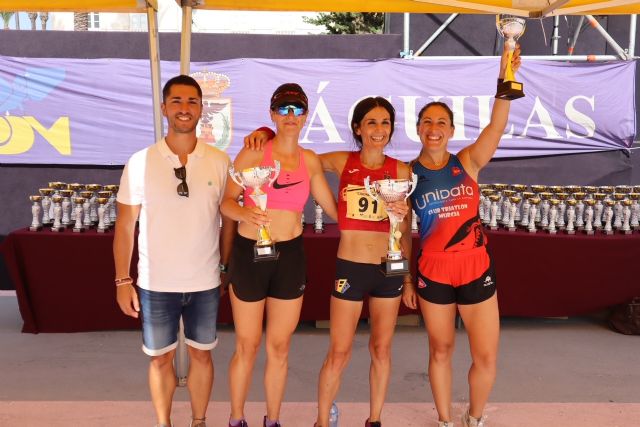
[289, 191]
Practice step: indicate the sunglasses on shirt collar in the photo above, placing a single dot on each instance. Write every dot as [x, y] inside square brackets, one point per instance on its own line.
[297, 110]
[181, 174]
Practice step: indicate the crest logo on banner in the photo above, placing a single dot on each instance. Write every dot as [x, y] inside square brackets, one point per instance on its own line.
[215, 125]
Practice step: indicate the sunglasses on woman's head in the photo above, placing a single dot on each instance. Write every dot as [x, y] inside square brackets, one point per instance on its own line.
[297, 110]
[181, 174]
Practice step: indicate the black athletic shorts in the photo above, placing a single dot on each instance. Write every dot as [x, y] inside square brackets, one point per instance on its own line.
[284, 278]
[354, 280]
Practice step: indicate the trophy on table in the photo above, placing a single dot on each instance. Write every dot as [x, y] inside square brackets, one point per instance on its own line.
[571, 216]
[533, 201]
[393, 190]
[635, 210]
[66, 207]
[318, 225]
[626, 216]
[579, 197]
[46, 194]
[57, 213]
[608, 216]
[515, 200]
[519, 189]
[113, 188]
[264, 248]
[485, 209]
[588, 216]
[506, 206]
[553, 216]
[510, 27]
[597, 215]
[618, 209]
[493, 209]
[106, 220]
[93, 208]
[36, 225]
[78, 209]
[102, 227]
[526, 206]
[86, 209]
[537, 189]
[545, 207]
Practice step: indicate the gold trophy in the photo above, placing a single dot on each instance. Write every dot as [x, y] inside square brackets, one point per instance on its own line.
[588, 216]
[511, 28]
[513, 208]
[393, 190]
[264, 248]
[534, 202]
[46, 194]
[86, 209]
[78, 202]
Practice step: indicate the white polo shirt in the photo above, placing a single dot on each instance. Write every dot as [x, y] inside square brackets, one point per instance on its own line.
[178, 243]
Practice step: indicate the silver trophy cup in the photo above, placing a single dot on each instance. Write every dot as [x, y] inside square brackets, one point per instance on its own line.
[393, 190]
[264, 248]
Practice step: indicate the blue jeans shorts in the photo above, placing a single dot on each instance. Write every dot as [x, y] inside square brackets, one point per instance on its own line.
[161, 313]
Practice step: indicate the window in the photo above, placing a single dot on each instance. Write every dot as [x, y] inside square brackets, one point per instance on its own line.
[94, 20]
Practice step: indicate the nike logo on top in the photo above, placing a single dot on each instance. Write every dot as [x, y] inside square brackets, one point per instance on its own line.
[279, 186]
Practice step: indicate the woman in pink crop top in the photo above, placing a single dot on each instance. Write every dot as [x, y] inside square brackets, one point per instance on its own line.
[273, 286]
[364, 236]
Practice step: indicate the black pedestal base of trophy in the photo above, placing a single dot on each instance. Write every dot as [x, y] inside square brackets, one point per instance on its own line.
[265, 253]
[509, 90]
[394, 267]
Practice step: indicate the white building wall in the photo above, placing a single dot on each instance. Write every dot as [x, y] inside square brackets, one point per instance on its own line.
[208, 21]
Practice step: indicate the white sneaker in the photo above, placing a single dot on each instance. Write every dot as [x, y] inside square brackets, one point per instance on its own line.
[469, 421]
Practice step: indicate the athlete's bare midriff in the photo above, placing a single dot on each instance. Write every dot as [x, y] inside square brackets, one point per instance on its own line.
[285, 225]
[363, 246]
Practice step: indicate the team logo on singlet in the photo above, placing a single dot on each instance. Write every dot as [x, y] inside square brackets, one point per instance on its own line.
[488, 281]
[342, 285]
[455, 171]
[421, 283]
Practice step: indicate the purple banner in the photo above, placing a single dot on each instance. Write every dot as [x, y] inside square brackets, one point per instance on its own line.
[99, 112]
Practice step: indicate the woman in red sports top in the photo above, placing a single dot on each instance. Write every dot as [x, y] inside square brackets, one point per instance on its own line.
[455, 272]
[364, 233]
[272, 286]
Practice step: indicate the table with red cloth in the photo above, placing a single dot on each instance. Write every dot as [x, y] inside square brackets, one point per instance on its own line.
[64, 281]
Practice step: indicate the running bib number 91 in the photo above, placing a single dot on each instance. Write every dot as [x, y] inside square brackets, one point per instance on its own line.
[361, 206]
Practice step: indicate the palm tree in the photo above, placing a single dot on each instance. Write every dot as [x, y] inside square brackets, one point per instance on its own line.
[33, 16]
[6, 17]
[80, 21]
[44, 17]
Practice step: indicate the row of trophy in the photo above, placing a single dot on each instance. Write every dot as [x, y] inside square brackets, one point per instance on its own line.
[554, 208]
[60, 206]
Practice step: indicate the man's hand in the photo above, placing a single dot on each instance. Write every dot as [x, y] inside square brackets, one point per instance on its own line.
[409, 296]
[128, 300]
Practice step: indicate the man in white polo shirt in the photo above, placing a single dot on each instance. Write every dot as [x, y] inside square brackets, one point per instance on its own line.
[174, 188]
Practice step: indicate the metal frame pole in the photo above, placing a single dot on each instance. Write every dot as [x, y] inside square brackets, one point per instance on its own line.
[154, 59]
[185, 37]
[576, 33]
[595, 24]
[632, 35]
[556, 34]
[406, 53]
[436, 33]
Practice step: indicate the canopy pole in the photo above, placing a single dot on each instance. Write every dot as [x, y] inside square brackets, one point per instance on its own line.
[154, 58]
[574, 37]
[406, 53]
[632, 35]
[185, 38]
[556, 34]
[436, 33]
[595, 24]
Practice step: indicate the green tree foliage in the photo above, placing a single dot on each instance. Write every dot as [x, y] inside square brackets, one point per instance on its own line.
[349, 22]
[6, 17]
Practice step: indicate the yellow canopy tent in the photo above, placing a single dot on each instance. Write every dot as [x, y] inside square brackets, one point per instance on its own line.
[527, 8]
[149, 7]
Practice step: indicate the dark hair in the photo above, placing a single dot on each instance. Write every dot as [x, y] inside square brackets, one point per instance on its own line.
[363, 107]
[436, 104]
[180, 80]
[289, 93]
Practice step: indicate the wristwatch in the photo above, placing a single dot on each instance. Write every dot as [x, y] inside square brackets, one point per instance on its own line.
[224, 268]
